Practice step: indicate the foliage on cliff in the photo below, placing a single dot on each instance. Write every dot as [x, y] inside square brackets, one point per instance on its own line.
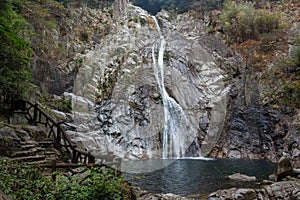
[241, 21]
[59, 35]
[265, 34]
[27, 182]
[15, 50]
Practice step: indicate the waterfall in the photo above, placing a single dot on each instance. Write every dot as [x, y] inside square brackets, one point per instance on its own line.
[175, 123]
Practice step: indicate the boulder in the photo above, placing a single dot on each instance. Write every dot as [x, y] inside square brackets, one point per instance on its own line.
[145, 195]
[245, 194]
[284, 169]
[4, 196]
[242, 177]
[8, 132]
[279, 190]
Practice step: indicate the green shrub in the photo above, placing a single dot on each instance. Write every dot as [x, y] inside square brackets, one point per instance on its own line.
[266, 22]
[84, 36]
[27, 182]
[15, 50]
[284, 80]
[241, 21]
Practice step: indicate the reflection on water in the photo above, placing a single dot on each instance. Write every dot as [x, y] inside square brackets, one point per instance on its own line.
[151, 165]
[194, 176]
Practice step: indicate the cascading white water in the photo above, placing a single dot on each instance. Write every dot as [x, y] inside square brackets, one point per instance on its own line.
[175, 123]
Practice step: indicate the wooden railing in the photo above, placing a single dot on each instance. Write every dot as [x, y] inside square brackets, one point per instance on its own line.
[35, 115]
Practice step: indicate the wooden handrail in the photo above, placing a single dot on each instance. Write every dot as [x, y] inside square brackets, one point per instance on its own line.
[34, 114]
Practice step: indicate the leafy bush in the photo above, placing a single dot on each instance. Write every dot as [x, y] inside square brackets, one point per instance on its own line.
[284, 81]
[243, 22]
[291, 89]
[15, 51]
[266, 22]
[27, 182]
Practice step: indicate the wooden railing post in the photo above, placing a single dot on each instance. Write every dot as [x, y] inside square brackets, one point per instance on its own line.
[35, 114]
[91, 158]
[53, 170]
[58, 137]
[12, 104]
[74, 157]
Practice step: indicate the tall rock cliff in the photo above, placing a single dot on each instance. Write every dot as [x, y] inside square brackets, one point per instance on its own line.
[118, 78]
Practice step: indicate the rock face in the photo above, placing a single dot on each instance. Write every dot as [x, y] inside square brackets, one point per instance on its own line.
[118, 76]
[259, 125]
[257, 131]
[59, 40]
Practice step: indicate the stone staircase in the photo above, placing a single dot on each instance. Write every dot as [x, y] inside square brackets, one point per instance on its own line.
[17, 143]
[36, 152]
[40, 125]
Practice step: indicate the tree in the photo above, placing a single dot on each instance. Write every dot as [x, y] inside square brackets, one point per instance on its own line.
[15, 51]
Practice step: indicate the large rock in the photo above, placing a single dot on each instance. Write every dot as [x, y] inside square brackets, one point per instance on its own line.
[9, 141]
[4, 196]
[144, 195]
[284, 169]
[242, 177]
[8, 132]
[279, 190]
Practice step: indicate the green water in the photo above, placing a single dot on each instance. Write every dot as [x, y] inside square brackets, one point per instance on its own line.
[195, 176]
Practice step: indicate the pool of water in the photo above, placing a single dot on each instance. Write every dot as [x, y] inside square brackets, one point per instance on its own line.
[193, 176]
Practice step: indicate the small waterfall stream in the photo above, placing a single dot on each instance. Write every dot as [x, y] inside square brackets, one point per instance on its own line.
[175, 123]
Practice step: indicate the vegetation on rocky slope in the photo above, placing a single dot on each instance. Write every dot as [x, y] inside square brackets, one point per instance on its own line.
[28, 182]
[267, 35]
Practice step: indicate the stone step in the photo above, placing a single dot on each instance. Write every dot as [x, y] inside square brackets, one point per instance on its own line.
[40, 149]
[50, 153]
[28, 146]
[49, 160]
[30, 152]
[46, 143]
[52, 149]
[39, 162]
[28, 142]
[23, 143]
[29, 158]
